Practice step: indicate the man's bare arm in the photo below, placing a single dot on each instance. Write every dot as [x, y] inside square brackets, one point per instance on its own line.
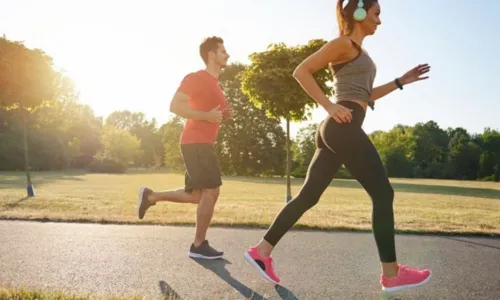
[180, 107]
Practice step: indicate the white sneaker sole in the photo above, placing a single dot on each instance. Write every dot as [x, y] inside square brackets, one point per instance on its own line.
[408, 286]
[256, 266]
[196, 255]
[139, 201]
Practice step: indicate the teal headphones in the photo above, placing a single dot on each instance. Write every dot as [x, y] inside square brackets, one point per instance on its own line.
[360, 12]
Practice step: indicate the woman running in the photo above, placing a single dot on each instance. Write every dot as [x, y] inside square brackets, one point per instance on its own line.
[341, 140]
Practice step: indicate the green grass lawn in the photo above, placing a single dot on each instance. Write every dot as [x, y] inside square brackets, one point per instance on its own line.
[432, 206]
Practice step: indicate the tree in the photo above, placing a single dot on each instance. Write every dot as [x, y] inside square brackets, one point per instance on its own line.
[172, 131]
[11, 140]
[269, 84]
[146, 131]
[85, 135]
[489, 165]
[27, 81]
[119, 146]
[250, 143]
[395, 148]
[430, 149]
[127, 120]
[62, 134]
[464, 155]
[304, 148]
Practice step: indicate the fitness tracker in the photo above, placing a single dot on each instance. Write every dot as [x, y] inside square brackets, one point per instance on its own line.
[398, 83]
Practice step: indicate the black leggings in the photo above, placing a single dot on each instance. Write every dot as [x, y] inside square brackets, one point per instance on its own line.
[346, 144]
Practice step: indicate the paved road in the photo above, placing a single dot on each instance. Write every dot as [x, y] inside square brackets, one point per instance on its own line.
[152, 261]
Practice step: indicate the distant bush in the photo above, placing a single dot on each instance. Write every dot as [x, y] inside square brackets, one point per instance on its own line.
[488, 178]
[344, 173]
[107, 166]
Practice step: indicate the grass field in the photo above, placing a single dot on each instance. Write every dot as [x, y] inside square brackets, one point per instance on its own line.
[431, 206]
[34, 294]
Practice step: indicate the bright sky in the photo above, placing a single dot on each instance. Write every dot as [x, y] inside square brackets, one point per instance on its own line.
[133, 54]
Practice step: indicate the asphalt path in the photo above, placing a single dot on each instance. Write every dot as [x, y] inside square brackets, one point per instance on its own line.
[152, 261]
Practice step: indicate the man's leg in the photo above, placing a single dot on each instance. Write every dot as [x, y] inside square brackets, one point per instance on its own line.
[177, 196]
[188, 194]
[200, 247]
[204, 175]
[180, 195]
[148, 198]
[204, 214]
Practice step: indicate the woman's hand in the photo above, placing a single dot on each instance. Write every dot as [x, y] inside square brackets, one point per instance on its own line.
[339, 113]
[415, 74]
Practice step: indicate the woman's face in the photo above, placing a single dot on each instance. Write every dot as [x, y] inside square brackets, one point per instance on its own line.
[372, 21]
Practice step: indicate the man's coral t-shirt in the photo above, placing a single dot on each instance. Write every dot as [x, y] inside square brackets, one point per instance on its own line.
[205, 94]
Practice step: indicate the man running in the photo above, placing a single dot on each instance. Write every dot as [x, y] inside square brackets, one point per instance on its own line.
[201, 101]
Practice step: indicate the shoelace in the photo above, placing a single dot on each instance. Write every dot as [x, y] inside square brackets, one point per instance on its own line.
[411, 268]
[407, 270]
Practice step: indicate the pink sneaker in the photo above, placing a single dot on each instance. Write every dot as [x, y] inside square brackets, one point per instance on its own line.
[263, 264]
[406, 278]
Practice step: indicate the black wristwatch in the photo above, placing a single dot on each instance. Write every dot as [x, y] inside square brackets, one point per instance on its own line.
[398, 83]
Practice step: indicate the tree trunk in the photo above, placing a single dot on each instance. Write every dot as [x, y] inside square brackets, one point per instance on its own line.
[496, 176]
[29, 185]
[288, 161]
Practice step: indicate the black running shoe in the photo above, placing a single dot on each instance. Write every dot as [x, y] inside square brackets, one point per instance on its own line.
[204, 251]
[143, 203]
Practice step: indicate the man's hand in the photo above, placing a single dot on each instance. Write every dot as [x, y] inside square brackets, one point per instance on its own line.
[180, 107]
[228, 111]
[214, 116]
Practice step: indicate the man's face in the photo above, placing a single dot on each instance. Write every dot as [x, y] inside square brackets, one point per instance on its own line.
[221, 56]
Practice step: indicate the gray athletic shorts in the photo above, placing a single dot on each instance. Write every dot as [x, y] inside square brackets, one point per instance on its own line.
[202, 167]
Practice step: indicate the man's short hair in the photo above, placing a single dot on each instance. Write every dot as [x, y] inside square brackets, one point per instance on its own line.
[209, 44]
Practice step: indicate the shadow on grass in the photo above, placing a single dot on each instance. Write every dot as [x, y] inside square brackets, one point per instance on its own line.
[14, 204]
[9, 180]
[398, 187]
[18, 179]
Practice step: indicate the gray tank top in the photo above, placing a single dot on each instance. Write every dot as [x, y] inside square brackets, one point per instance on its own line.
[353, 80]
